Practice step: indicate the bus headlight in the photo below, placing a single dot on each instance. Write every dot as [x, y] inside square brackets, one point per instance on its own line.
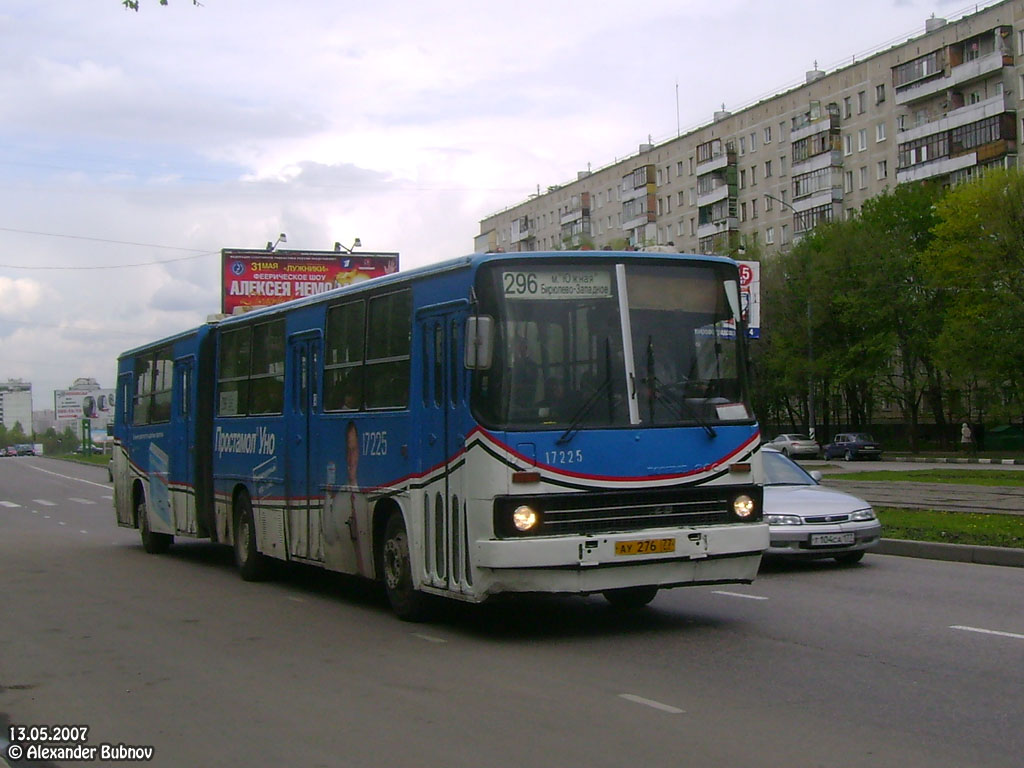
[525, 519]
[743, 506]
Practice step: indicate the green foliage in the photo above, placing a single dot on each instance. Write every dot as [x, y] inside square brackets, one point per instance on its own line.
[918, 301]
[977, 261]
[993, 530]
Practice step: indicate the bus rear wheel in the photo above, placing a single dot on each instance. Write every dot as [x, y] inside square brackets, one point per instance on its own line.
[252, 566]
[153, 543]
[408, 603]
[630, 597]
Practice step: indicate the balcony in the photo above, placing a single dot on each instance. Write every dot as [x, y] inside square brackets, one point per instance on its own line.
[721, 192]
[963, 73]
[955, 118]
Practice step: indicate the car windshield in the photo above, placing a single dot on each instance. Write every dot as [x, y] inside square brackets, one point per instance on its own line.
[779, 470]
[796, 438]
[864, 437]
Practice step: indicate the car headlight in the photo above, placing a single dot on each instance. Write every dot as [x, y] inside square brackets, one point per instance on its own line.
[784, 519]
[863, 514]
[525, 518]
[743, 506]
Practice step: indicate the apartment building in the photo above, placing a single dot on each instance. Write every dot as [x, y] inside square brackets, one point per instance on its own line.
[16, 404]
[939, 106]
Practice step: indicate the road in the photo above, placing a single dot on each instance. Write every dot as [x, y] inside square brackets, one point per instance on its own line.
[895, 662]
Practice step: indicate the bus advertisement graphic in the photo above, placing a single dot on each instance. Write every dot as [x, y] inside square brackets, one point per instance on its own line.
[252, 278]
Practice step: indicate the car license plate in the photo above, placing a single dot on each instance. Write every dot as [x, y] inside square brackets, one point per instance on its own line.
[831, 539]
[645, 547]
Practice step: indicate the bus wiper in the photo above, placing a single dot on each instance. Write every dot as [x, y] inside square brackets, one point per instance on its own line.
[588, 404]
[677, 404]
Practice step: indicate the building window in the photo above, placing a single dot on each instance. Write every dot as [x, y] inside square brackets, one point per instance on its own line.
[753, 209]
[782, 165]
[880, 132]
[753, 175]
[767, 134]
[769, 234]
[861, 102]
[847, 108]
[879, 93]
[785, 234]
[782, 131]
[753, 142]
[863, 177]
[848, 181]
[883, 169]
[743, 211]
[847, 144]
[679, 168]
[862, 139]
[767, 168]
[743, 178]
[743, 145]
[768, 200]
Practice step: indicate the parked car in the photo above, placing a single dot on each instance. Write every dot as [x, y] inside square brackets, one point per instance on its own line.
[794, 445]
[10, 450]
[852, 446]
[26, 449]
[808, 521]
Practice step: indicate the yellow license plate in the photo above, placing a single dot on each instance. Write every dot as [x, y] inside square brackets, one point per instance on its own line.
[645, 547]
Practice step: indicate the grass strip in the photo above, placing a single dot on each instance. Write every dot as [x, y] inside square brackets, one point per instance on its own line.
[1002, 477]
[990, 530]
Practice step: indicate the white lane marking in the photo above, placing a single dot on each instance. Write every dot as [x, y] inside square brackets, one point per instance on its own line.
[81, 501]
[108, 497]
[63, 523]
[68, 477]
[651, 703]
[9, 504]
[46, 517]
[988, 632]
[429, 638]
[83, 531]
[45, 503]
[738, 594]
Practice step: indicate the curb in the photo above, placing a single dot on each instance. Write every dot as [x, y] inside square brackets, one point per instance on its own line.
[961, 553]
[953, 460]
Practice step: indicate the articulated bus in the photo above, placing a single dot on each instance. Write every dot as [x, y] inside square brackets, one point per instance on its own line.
[499, 423]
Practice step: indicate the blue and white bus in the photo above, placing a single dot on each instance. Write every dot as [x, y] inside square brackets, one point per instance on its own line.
[529, 422]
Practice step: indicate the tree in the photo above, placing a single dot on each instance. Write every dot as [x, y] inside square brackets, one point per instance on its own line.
[977, 261]
[133, 5]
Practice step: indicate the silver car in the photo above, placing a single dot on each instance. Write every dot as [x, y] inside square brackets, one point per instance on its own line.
[794, 445]
[808, 521]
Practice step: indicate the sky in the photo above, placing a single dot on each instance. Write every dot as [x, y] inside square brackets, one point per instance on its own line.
[135, 145]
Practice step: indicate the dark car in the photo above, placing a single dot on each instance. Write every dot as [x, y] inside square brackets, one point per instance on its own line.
[26, 449]
[852, 446]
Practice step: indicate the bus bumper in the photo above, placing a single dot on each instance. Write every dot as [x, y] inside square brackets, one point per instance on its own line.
[585, 564]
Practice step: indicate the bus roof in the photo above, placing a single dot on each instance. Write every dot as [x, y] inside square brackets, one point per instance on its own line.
[471, 261]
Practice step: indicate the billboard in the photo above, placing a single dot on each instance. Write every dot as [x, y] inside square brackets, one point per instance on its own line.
[73, 405]
[750, 296]
[252, 278]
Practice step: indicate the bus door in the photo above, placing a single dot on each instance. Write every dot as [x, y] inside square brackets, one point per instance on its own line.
[183, 445]
[442, 441]
[122, 469]
[305, 501]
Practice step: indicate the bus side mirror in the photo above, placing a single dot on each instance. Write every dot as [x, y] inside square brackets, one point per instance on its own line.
[732, 293]
[479, 342]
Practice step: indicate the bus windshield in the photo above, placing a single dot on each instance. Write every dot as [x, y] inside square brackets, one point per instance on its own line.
[597, 344]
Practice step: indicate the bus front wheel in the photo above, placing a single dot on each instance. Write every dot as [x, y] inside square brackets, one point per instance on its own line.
[408, 603]
[153, 543]
[252, 566]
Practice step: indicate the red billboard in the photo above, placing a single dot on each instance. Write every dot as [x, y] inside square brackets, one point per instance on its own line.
[252, 278]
